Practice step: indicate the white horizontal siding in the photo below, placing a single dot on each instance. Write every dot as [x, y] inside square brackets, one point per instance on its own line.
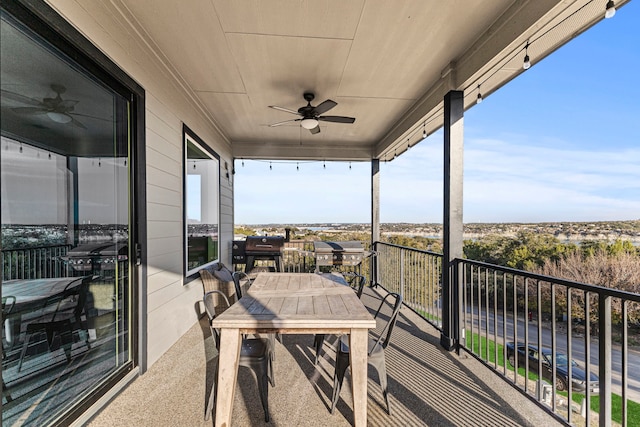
[172, 306]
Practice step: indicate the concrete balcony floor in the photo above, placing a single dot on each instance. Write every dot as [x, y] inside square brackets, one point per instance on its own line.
[428, 386]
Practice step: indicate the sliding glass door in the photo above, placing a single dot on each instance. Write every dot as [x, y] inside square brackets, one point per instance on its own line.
[66, 244]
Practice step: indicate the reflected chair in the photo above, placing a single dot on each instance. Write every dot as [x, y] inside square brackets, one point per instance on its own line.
[356, 282]
[59, 317]
[8, 302]
[375, 352]
[254, 354]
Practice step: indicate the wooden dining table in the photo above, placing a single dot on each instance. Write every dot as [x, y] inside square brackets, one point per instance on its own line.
[294, 303]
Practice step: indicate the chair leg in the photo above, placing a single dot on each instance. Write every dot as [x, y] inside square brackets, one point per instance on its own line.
[23, 353]
[382, 374]
[342, 363]
[318, 340]
[263, 388]
[212, 396]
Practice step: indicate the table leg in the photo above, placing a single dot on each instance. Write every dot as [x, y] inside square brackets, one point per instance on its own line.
[358, 354]
[230, 341]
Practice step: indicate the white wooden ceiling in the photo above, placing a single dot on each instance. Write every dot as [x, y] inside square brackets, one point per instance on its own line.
[386, 63]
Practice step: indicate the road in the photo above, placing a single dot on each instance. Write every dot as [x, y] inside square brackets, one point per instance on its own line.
[577, 348]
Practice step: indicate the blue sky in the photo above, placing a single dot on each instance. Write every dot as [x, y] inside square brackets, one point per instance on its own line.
[561, 142]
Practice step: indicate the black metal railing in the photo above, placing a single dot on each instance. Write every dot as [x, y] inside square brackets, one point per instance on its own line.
[522, 324]
[504, 314]
[34, 263]
[414, 274]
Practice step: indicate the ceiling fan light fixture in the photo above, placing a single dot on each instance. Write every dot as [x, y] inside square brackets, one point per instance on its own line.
[309, 123]
[59, 117]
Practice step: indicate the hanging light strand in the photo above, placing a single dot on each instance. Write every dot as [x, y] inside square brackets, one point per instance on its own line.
[610, 9]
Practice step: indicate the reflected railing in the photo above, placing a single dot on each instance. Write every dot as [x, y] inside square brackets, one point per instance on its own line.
[35, 262]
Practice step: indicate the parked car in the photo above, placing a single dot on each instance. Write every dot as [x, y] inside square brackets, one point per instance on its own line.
[578, 374]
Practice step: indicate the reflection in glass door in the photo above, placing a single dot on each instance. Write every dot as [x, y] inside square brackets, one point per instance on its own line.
[65, 230]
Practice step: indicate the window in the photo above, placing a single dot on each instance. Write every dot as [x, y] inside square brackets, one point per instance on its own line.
[201, 203]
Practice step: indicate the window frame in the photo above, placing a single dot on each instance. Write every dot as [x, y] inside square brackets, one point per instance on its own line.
[189, 135]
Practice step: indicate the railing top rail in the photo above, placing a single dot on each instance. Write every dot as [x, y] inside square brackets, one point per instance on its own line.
[632, 296]
[408, 248]
[31, 248]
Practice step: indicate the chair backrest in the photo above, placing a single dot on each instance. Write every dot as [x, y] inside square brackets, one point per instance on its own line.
[7, 304]
[210, 300]
[388, 328]
[238, 277]
[217, 278]
[357, 283]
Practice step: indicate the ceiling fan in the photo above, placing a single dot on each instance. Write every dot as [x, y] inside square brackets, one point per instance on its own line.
[310, 115]
[57, 109]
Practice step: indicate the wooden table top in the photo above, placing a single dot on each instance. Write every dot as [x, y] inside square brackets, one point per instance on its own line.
[294, 302]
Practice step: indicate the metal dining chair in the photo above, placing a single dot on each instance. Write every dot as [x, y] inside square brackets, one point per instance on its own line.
[375, 352]
[254, 354]
[357, 282]
[60, 316]
[243, 280]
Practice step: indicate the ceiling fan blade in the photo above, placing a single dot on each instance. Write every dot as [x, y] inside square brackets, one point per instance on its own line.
[337, 119]
[67, 103]
[286, 110]
[105, 119]
[315, 130]
[19, 98]
[77, 123]
[324, 106]
[29, 110]
[284, 122]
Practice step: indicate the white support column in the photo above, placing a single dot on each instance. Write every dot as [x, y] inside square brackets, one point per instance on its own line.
[452, 232]
[375, 215]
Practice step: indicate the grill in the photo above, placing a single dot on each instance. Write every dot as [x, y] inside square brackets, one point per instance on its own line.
[265, 248]
[96, 258]
[338, 253]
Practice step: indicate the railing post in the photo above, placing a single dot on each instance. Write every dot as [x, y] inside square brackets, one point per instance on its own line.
[374, 265]
[402, 273]
[604, 359]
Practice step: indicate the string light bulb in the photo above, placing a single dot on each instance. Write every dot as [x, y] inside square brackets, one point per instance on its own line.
[20, 147]
[242, 162]
[297, 166]
[270, 166]
[610, 9]
[479, 96]
[527, 62]
[424, 130]
[349, 165]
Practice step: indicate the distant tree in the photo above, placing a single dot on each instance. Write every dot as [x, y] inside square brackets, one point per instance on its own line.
[244, 230]
[526, 251]
[606, 266]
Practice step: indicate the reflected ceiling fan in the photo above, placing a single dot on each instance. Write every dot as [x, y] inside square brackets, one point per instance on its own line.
[310, 116]
[57, 109]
